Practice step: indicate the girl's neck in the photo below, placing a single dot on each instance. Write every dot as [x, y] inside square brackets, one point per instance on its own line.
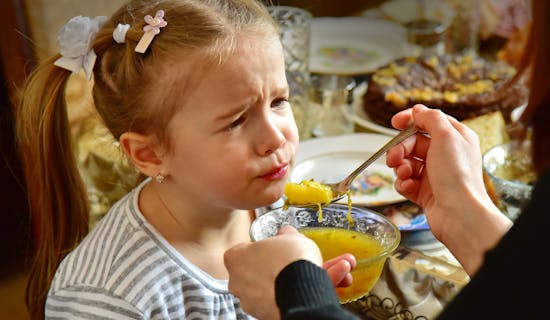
[202, 236]
[183, 222]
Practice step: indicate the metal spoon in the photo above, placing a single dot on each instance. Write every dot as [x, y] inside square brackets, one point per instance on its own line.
[340, 189]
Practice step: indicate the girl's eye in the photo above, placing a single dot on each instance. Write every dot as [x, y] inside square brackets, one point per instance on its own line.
[280, 103]
[235, 124]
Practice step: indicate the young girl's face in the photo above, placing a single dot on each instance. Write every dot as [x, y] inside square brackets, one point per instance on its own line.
[235, 138]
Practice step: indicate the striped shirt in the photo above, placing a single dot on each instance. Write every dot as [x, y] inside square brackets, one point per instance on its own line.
[124, 269]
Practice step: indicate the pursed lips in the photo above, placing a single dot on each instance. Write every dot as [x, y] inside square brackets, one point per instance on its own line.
[276, 173]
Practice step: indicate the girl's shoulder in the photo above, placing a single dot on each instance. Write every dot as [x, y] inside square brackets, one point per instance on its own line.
[116, 240]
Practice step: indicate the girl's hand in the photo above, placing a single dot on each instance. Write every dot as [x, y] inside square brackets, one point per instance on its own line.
[339, 269]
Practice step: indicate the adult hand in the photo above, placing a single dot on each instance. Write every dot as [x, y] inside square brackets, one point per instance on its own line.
[442, 172]
[254, 266]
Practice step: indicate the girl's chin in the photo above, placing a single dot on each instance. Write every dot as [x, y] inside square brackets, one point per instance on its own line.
[271, 198]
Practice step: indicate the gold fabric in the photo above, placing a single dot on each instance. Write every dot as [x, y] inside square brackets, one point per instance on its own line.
[413, 285]
[106, 171]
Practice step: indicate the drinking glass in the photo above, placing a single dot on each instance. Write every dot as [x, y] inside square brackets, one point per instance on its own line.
[295, 32]
[463, 33]
[510, 173]
[331, 101]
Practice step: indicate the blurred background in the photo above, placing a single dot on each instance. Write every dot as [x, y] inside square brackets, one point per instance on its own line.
[29, 34]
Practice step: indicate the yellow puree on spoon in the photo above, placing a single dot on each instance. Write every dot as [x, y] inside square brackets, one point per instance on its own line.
[310, 191]
[306, 192]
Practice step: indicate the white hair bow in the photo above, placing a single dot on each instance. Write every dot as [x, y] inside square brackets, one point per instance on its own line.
[75, 44]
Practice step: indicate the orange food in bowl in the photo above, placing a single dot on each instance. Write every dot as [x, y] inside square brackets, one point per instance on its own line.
[336, 241]
[369, 236]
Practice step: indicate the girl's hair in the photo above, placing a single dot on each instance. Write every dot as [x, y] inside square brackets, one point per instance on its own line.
[132, 92]
[535, 61]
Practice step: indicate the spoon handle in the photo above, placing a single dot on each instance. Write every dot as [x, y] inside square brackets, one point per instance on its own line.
[404, 134]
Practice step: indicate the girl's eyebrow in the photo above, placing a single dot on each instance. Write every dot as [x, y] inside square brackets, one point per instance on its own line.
[232, 112]
[282, 90]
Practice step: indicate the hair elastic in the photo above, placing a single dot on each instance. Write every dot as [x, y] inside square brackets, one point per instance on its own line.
[119, 34]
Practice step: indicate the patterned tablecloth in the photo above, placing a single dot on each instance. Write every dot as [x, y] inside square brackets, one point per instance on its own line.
[413, 285]
[418, 280]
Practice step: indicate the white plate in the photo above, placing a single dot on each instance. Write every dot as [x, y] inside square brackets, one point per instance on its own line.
[331, 159]
[404, 11]
[363, 120]
[354, 45]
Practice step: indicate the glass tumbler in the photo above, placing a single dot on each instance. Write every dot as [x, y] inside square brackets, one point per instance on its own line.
[463, 33]
[425, 37]
[331, 100]
[295, 29]
[510, 173]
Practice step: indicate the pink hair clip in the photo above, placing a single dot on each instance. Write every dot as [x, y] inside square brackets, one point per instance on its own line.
[151, 30]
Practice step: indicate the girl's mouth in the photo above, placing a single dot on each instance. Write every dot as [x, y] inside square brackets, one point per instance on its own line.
[276, 173]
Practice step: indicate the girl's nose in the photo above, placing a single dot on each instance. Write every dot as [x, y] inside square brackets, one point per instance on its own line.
[270, 137]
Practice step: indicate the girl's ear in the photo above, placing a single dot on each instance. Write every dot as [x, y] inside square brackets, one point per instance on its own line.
[143, 151]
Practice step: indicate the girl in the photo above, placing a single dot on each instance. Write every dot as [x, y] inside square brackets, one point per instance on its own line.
[196, 95]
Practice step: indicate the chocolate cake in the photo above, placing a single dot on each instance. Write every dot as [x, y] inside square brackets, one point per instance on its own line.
[462, 86]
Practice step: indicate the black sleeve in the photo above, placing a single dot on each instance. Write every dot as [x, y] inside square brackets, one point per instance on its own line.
[305, 291]
[514, 280]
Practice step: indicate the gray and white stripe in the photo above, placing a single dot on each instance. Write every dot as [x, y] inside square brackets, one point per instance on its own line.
[125, 270]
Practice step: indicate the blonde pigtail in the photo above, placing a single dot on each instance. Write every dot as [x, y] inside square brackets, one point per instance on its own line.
[56, 194]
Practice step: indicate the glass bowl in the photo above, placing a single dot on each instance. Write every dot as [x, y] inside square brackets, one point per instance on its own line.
[510, 175]
[371, 237]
